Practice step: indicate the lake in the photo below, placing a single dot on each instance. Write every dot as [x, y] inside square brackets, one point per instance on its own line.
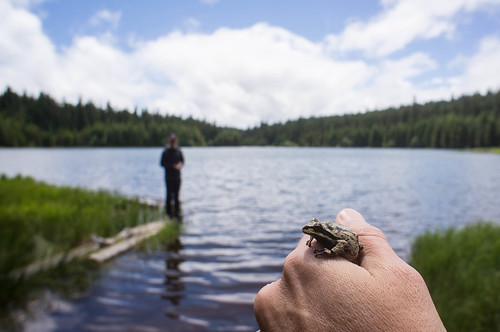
[243, 212]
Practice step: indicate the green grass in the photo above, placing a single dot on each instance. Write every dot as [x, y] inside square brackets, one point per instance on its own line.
[462, 270]
[167, 239]
[38, 220]
[488, 150]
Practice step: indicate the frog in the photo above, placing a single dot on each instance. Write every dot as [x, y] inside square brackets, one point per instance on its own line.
[336, 239]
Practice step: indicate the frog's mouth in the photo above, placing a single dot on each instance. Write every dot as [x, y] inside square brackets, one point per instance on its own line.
[312, 227]
[319, 233]
[311, 230]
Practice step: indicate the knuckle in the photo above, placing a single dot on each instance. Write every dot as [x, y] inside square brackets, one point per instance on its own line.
[411, 276]
[291, 266]
[265, 299]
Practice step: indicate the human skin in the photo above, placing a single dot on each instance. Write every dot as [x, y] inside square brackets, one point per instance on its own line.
[173, 145]
[382, 293]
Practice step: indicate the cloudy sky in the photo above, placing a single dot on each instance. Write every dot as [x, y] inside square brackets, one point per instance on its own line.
[242, 62]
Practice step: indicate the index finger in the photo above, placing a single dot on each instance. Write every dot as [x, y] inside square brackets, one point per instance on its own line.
[377, 253]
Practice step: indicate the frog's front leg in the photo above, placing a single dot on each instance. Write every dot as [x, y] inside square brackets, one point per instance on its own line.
[309, 242]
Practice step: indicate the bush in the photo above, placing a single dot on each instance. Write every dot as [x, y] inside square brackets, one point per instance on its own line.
[462, 270]
[38, 220]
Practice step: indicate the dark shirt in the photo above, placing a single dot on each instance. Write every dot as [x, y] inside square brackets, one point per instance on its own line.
[169, 158]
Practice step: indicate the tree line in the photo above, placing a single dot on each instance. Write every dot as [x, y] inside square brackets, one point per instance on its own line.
[466, 122]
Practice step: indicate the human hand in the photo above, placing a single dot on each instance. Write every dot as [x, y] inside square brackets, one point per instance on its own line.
[382, 293]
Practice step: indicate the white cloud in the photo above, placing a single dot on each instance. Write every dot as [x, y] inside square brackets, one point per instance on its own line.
[400, 23]
[481, 72]
[391, 84]
[209, 2]
[27, 56]
[192, 24]
[99, 71]
[26, 3]
[244, 76]
[236, 77]
[106, 17]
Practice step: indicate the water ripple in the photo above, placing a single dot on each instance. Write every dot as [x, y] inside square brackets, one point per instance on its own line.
[243, 210]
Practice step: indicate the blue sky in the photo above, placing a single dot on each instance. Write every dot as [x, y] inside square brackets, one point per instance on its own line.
[242, 62]
[152, 19]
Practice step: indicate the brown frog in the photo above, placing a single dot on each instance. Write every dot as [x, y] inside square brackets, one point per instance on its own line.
[337, 239]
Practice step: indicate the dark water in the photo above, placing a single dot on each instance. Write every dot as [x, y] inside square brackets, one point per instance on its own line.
[243, 210]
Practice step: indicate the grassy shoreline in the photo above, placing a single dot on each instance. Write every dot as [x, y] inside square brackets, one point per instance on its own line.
[461, 267]
[40, 220]
[495, 150]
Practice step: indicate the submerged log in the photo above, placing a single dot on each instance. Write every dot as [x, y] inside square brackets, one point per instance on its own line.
[123, 241]
[127, 239]
[52, 261]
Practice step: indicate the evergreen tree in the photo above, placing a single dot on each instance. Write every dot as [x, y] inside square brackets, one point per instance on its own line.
[466, 122]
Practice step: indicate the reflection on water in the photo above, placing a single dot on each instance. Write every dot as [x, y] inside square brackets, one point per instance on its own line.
[184, 288]
[243, 211]
[173, 275]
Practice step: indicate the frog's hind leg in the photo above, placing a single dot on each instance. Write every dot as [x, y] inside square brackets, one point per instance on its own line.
[323, 251]
[340, 247]
[338, 250]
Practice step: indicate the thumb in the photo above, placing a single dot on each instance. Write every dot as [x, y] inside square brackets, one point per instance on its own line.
[377, 253]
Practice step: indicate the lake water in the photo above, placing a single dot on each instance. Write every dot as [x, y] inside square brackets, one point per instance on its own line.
[243, 210]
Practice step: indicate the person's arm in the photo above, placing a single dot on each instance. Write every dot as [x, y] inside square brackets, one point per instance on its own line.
[163, 161]
[382, 293]
[180, 163]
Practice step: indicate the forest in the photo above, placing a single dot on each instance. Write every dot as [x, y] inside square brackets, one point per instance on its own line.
[466, 122]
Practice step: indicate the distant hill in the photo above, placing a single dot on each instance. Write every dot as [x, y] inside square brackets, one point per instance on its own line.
[466, 122]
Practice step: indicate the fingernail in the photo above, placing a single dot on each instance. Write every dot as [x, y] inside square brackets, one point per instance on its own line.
[344, 214]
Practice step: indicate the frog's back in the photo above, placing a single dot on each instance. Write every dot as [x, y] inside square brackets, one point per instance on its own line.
[341, 231]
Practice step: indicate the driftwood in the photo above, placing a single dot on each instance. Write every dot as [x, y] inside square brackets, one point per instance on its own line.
[99, 250]
[54, 260]
[127, 239]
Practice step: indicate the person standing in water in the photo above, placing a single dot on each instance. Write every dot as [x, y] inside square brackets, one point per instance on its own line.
[172, 160]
